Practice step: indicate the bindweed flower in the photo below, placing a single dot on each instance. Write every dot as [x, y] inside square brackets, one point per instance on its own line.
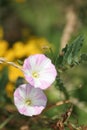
[39, 71]
[29, 100]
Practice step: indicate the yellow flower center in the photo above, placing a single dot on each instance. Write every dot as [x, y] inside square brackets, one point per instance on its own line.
[35, 74]
[27, 101]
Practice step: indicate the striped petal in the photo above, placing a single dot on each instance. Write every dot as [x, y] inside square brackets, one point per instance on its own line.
[29, 100]
[39, 71]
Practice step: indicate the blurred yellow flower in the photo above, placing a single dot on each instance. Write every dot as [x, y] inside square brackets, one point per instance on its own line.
[19, 49]
[10, 55]
[3, 47]
[36, 45]
[42, 42]
[14, 73]
[1, 32]
[32, 47]
[9, 89]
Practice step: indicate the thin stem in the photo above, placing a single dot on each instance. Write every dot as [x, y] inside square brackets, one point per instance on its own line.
[3, 60]
[57, 104]
[6, 121]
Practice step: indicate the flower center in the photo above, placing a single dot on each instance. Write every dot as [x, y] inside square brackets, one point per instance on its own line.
[27, 101]
[35, 74]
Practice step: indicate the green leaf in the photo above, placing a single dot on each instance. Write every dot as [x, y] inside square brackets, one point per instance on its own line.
[83, 58]
[19, 81]
[3, 78]
[71, 51]
[3, 83]
[70, 55]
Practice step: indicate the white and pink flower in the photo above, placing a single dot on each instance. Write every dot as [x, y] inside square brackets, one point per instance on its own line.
[29, 100]
[39, 71]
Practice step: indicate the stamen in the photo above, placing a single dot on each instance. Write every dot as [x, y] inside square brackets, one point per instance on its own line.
[27, 101]
[35, 74]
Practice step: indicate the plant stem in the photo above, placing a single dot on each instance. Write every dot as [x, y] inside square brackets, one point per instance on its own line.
[6, 121]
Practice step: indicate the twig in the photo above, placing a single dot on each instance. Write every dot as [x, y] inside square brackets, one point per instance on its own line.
[3, 60]
[57, 104]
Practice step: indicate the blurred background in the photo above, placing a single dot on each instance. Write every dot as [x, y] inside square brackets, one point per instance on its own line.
[33, 26]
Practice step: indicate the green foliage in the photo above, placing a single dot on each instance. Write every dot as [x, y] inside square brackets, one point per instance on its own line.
[70, 54]
[72, 50]
[3, 82]
[81, 114]
[83, 58]
[3, 78]
[19, 81]
[60, 86]
[40, 15]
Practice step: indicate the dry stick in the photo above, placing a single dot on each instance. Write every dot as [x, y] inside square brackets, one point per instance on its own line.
[57, 104]
[74, 101]
[3, 60]
[62, 102]
[71, 26]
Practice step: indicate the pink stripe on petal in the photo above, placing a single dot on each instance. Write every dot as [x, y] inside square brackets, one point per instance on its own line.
[45, 64]
[18, 102]
[17, 94]
[39, 59]
[23, 110]
[29, 79]
[40, 102]
[39, 95]
[45, 84]
[26, 64]
[38, 110]
[32, 61]
[28, 90]
[50, 69]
